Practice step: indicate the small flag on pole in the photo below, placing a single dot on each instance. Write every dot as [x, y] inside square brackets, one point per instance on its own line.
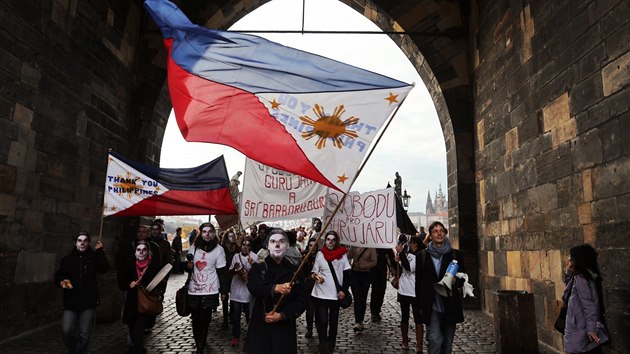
[134, 189]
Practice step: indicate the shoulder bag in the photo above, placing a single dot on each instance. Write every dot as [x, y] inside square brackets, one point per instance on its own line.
[347, 299]
[181, 296]
[149, 303]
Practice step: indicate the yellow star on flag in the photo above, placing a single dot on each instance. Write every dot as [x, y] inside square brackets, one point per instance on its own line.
[392, 98]
[342, 178]
[275, 104]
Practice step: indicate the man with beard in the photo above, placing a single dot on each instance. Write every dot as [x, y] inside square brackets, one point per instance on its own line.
[77, 276]
[166, 253]
[439, 314]
[274, 332]
[258, 239]
[207, 281]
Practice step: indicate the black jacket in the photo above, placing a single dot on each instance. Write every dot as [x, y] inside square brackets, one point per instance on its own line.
[279, 337]
[126, 274]
[425, 294]
[81, 269]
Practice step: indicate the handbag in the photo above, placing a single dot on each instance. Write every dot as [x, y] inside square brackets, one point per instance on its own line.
[181, 299]
[182, 305]
[149, 304]
[347, 299]
[562, 317]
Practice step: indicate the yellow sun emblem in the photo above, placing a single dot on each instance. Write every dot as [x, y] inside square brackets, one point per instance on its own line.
[329, 126]
[127, 185]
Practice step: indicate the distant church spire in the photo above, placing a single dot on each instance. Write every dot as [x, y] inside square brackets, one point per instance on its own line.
[429, 208]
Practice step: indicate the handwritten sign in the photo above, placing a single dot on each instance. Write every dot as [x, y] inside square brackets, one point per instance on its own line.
[272, 195]
[364, 220]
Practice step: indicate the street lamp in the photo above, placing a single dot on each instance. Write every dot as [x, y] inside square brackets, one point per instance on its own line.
[405, 199]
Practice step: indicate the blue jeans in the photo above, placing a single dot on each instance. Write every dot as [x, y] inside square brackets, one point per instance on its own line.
[440, 336]
[71, 320]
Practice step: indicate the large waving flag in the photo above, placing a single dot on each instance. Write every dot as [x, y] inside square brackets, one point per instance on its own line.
[286, 108]
[134, 189]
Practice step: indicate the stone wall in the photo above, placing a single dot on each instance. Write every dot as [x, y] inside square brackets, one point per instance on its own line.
[70, 88]
[552, 119]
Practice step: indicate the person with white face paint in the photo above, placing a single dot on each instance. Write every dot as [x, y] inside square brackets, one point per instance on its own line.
[77, 277]
[239, 269]
[141, 270]
[208, 281]
[270, 331]
[325, 295]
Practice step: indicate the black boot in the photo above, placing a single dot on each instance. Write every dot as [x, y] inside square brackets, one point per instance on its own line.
[324, 348]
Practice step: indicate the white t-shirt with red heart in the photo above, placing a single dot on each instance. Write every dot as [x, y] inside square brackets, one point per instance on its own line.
[204, 279]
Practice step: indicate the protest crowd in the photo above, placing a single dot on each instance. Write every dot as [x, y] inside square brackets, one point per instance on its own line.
[259, 275]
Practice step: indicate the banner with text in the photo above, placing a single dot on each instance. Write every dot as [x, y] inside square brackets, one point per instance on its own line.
[364, 220]
[270, 194]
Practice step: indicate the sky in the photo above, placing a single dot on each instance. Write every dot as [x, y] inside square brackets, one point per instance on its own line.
[413, 144]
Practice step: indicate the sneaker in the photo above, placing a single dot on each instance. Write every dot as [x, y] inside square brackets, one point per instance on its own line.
[309, 333]
[358, 327]
[234, 342]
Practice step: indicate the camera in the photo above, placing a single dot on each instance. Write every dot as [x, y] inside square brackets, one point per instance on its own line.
[190, 257]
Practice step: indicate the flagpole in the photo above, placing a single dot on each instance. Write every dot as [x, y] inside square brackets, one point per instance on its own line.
[100, 230]
[310, 251]
[343, 199]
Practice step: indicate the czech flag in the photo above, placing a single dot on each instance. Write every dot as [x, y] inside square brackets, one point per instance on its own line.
[134, 189]
[286, 108]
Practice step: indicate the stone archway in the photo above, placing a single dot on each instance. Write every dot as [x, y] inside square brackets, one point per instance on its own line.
[440, 31]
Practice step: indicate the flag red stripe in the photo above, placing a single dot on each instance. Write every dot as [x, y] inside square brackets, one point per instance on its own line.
[212, 112]
[184, 202]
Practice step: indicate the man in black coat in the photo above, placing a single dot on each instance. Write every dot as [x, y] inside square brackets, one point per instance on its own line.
[77, 277]
[275, 332]
[440, 314]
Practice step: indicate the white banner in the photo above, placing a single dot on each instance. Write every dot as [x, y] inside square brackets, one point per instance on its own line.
[364, 220]
[270, 194]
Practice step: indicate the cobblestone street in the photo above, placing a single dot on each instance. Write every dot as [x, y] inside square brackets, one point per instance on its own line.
[172, 334]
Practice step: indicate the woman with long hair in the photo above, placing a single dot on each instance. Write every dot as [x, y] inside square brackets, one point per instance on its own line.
[584, 330]
[207, 281]
[326, 294]
[141, 270]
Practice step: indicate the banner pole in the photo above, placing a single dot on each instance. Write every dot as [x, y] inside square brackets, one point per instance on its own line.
[310, 251]
[100, 231]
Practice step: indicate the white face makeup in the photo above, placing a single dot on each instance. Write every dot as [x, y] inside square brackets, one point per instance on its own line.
[278, 245]
[142, 252]
[207, 233]
[331, 242]
[82, 243]
[231, 238]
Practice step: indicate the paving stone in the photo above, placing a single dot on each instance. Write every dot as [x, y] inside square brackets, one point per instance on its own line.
[173, 334]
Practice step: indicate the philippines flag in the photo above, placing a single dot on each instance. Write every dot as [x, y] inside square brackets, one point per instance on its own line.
[289, 109]
[134, 189]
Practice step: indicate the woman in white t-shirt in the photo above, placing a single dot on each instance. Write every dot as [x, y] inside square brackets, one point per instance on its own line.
[240, 296]
[407, 292]
[326, 294]
[207, 281]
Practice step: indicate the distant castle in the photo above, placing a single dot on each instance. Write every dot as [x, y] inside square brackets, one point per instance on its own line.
[436, 210]
[439, 203]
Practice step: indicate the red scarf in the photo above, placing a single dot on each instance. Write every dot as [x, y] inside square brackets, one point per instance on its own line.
[141, 266]
[331, 255]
